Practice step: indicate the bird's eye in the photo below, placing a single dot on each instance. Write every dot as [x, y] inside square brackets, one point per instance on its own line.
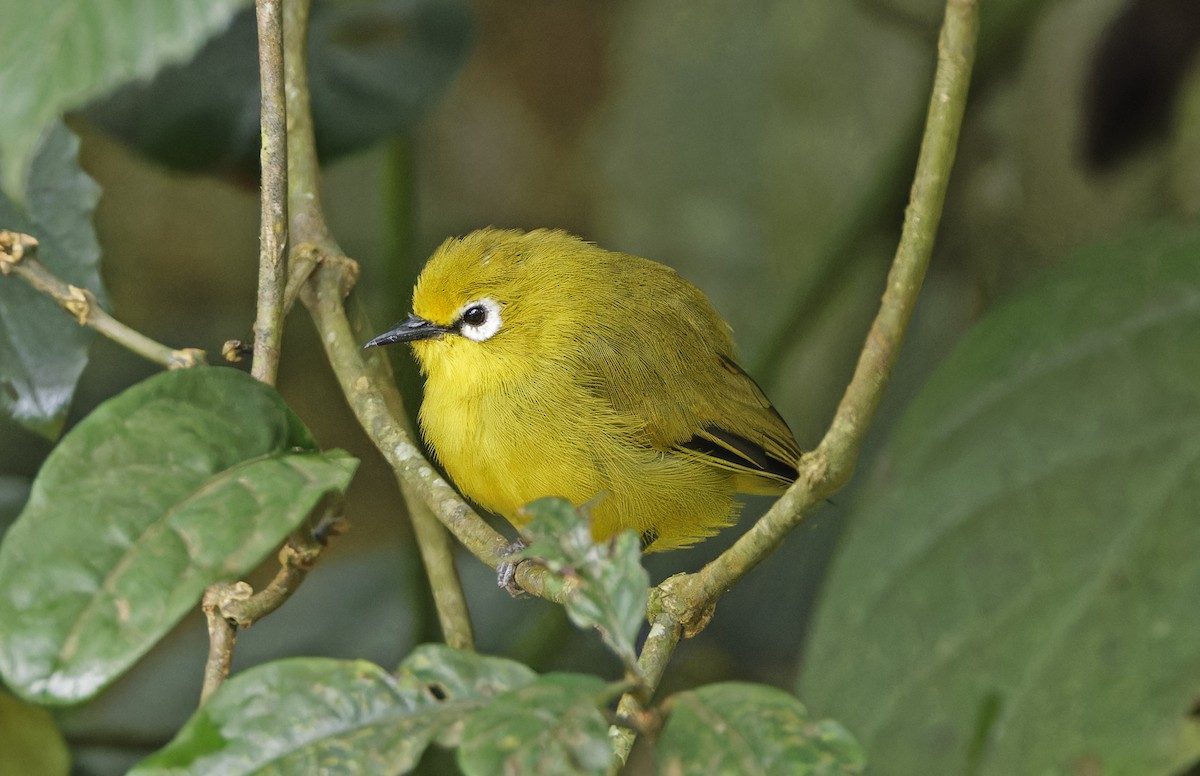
[480, 319]
[475, 316]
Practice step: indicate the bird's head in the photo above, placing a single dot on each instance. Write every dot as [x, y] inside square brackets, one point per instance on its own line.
[485, 303]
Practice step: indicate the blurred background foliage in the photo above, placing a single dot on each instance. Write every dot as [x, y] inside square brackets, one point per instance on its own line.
[763, 149]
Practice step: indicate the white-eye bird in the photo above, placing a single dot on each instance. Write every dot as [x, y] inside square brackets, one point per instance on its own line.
[554, 367]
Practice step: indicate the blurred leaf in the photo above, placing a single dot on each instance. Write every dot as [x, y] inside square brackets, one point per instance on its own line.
[42, 350]
[1134, 79]
[550, 726]
[303, 716]
[1003, 26]
[383, 63]
[462, 681]
[32, 743]
[374, 69]
[1017, 593]
[737, 727]
[1183, 165]
[14, 491]
[59, 55]
[608, 583]
[185, 479]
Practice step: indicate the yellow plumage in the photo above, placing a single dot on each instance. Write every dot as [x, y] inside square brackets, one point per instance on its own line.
[557, 368]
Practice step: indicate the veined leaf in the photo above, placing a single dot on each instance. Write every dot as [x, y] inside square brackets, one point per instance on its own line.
[738, 727]
[315, 715]
[551, 726]
[185, 479]
[1018, 591]
[609, 583]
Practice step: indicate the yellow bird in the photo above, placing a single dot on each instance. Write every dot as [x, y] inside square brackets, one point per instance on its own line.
[554, 367]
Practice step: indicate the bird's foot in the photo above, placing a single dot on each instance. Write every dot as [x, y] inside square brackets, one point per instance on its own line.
[506, 570]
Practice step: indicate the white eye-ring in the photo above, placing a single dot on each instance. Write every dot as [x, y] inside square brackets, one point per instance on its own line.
[479, 320]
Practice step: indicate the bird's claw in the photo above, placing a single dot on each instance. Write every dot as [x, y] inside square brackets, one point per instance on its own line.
[506, 570]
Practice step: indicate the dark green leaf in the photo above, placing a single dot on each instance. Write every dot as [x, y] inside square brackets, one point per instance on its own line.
[609, 584]
[1018, 592]
[380, 62]
[462, 681]
[32, 743]
[551, 726]
[737, 727]
[58, 56]
[304, 716]
[383, 63]
[42, 350]
[185, 479]
[14, 492]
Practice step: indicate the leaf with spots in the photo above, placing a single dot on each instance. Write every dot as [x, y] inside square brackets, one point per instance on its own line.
[463, 681]
[185, 479]
[317, 715]
[553, 725]
[608, 585]
[738, 727]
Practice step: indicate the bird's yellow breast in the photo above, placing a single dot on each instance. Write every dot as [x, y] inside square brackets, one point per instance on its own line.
[509, 441]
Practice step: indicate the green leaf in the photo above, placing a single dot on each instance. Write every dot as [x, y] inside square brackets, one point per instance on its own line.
[32, 743]
[59, 55]
[183, 480]
[551, 726]
[303, 716]
[42, 350]
[382, 62]
[462, 680]
[316, 715]
[738, 727]
[608, 583]
[14, 491]
[1018, 591]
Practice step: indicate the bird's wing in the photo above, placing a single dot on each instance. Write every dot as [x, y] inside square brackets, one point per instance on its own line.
[749, 436]
[673, 373]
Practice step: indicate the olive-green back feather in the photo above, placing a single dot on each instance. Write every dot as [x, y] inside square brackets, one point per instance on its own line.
[671, 366]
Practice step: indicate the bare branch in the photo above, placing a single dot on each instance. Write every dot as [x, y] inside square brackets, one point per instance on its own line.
[17, 257]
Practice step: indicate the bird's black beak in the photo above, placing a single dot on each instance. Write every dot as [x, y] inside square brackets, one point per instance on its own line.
[411, 330]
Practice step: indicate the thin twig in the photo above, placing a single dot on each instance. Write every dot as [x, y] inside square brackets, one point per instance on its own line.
[305, 213]
[268, 332]
[222, 635]
[16, 257]
[268, 322]
[437, 553]
[664, 636]
[296, 559]
[322, 275]
[685, 602]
